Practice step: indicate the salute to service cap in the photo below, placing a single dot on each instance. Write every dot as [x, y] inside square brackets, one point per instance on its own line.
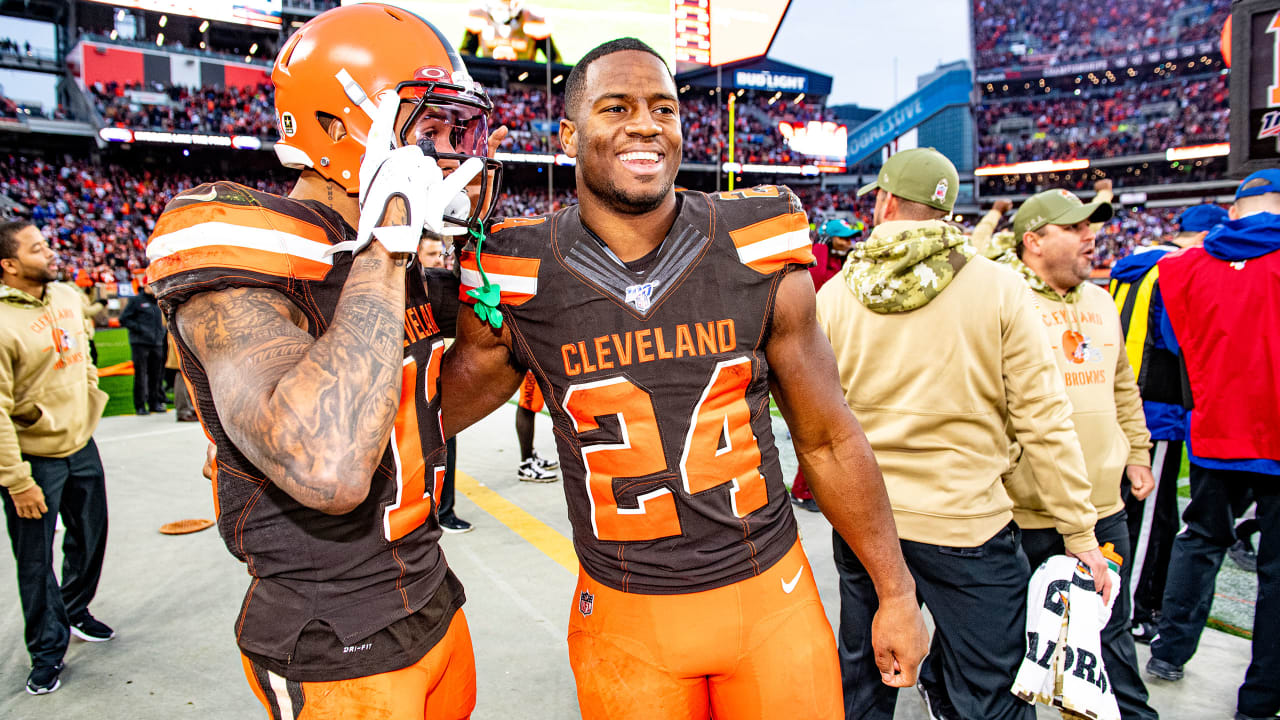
[1056, 207]
[921, 175]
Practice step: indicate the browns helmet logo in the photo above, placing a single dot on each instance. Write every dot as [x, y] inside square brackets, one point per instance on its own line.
[62, 341]
[433, 73]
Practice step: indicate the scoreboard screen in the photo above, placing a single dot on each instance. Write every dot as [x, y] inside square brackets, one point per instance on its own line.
[1255, 86]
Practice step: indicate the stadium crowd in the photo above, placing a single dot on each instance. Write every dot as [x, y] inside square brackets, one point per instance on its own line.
[523, 109]
[208, 110]
[1063, 32]
[98, 216]
[1108, 122]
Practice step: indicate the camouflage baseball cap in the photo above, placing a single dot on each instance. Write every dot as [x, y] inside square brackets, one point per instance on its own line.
[1056, 207]
[921, 175]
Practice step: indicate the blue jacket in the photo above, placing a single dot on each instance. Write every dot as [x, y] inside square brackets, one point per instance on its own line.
[1165, 421]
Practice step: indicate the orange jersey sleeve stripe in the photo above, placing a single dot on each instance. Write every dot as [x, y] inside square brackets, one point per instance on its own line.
[516, 277]
[237, 258]
[242, 215]
[772, 244]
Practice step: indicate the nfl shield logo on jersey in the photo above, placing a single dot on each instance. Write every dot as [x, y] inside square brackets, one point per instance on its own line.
[585, 603]
[641, 295]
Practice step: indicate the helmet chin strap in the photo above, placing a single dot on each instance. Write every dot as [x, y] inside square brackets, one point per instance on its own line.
[355, 93]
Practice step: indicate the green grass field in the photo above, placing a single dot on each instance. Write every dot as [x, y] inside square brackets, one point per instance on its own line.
[113, 348]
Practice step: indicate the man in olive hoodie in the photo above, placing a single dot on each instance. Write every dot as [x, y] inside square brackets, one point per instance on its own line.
[937, 351]
[49, 464]
[1055, 258]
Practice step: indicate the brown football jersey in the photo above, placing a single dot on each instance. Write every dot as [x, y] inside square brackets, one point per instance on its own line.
[655, 375]
[358, 572]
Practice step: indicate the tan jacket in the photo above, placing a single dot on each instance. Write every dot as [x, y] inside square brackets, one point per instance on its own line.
[1088, 347]
[49, 396]
[934, 388]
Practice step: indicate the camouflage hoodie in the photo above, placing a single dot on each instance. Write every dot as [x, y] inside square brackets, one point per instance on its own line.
[905, 264]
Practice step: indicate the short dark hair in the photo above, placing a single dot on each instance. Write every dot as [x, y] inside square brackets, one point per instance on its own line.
[9, 237]
[576, 84]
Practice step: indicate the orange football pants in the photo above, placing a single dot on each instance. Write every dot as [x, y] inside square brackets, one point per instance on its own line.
[530, 394]
[440, 686]
[759, 648]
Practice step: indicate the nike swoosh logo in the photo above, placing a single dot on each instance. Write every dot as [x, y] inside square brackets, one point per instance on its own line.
[787, 587]
[207, 196]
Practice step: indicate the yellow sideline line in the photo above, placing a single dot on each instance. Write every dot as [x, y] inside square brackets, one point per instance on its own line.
[537, 533]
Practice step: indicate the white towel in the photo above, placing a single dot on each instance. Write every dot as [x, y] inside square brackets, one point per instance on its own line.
[1063, 665]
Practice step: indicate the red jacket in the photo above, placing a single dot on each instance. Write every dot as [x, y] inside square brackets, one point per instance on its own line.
[1226, 316]
[826, 266]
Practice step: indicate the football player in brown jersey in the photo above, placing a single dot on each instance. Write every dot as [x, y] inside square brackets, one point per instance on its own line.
[312, 348]
[658, 324]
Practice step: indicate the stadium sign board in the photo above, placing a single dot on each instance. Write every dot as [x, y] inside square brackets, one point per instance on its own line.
[951, 88]
[765, 80]
[1255, 86]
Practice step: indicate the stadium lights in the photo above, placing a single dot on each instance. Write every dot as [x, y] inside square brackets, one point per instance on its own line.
[164, 20]
[114, 34]
[115, 134]
[556, 80]
[204, 26]
[800, 98]
[202, 45]
[253, 48]
[734, 168]
[1194, 152]
[522, 76]
[240, 142]
[1038, 166]
[160, 40]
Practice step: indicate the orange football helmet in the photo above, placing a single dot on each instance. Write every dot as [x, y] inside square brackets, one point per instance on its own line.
[343, 62]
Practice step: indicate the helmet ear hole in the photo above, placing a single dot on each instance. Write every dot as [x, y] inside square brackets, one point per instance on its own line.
[332, 125]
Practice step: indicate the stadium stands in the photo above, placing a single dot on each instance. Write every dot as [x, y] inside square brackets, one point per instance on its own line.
[98, 216]
[1107, 121]
[1016, 32]
[523, 109]
[219, 111]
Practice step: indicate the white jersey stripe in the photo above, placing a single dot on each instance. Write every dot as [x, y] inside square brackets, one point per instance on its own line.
[521, 285]
[281, 690]
[775, 245]
[227, 234]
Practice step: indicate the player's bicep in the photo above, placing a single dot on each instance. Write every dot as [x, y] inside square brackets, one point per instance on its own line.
[802, 367]
[479, 373]
[246, 339]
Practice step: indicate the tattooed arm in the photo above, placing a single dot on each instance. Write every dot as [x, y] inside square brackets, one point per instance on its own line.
[314, 414]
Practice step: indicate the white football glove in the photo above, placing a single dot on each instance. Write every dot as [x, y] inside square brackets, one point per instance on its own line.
[388, 172]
